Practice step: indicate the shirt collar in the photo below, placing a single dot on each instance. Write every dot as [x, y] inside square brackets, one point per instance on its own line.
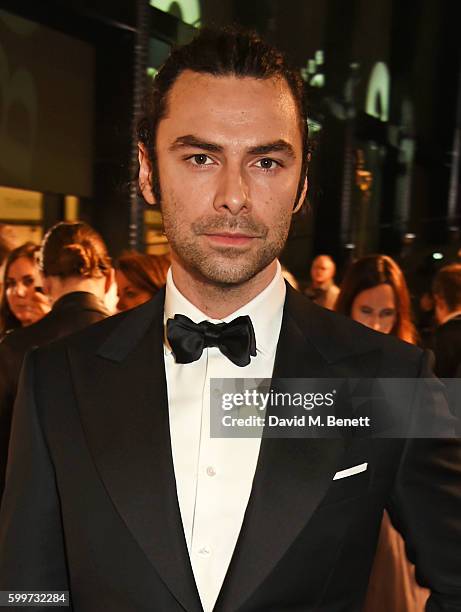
[265, 311]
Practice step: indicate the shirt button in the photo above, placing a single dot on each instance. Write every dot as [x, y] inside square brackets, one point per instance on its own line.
[211, 471]
[204, 551]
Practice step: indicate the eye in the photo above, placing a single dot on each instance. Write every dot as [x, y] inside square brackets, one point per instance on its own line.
[388, 312]
[200, 159]
[28, 281]
[365, 310]
[267, 164]
[10, 283]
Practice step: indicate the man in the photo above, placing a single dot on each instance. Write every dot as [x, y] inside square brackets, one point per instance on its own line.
[117, 490]
[447, 338]
[323, 290]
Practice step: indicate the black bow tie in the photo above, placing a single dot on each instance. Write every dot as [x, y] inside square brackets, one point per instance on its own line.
[236, 340]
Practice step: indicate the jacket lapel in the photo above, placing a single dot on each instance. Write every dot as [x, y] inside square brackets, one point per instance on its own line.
[292, 474]
[127, 428]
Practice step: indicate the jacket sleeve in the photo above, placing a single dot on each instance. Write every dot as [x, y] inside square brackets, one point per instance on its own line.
[7, 393]
[32, 552]
[426, 507]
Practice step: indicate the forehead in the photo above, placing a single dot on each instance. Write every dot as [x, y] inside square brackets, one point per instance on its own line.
[322, 262]
[380, 295]
[120, 275]
[122, 278]
[242, 110]
[20, 266]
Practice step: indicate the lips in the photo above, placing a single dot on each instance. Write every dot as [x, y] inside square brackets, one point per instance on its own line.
[231, 239]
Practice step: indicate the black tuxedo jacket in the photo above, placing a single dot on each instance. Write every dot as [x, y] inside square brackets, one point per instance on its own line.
[90, 503]
[70, 313]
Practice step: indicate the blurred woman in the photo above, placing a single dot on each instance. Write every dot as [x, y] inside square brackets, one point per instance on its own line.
[139, 277]
[22, 300]
[77, 273]
[374, 293]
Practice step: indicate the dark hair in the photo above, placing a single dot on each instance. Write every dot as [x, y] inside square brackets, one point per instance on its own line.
[5, 246]
[447, 285]
[74, 249]
[220, 52]
[7, 319]
[369, 272]
[146, 272]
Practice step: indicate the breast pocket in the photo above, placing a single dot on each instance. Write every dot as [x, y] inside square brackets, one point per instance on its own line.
[352, 477]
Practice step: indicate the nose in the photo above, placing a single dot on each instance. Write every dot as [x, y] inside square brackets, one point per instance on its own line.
[376, 324]
[20, 290]
[233, 191]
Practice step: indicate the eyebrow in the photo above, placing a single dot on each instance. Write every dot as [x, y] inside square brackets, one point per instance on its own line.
[278, 146]
[23, 277]
[281, 146]
[193, 141]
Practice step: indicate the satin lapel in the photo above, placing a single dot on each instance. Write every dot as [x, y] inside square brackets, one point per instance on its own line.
[123, 403]
[291, 478]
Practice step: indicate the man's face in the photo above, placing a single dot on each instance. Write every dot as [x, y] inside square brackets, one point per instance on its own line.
[229, 160]
[322, 270]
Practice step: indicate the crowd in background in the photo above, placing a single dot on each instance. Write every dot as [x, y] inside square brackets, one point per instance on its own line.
[73, 259]
[69, 282]
[54, 289]
[419, 319]
[373, 289]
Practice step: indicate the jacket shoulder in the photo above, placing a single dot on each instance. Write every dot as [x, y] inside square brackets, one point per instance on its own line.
[124, 325]
[337, 336]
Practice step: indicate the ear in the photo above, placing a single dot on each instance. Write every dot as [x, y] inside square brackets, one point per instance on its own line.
[302, 197]
[145, 175]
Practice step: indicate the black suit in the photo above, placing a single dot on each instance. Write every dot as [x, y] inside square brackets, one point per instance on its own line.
[70, 313]
[447, 348]
[94, 480]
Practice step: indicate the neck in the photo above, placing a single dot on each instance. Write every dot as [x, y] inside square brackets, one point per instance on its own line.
[217, 301]
[323, 285]
[57, 287]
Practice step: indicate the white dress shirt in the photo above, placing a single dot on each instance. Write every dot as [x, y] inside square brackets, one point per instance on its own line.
[214, 476]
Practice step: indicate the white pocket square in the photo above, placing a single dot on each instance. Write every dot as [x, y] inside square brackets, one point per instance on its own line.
[351, 471]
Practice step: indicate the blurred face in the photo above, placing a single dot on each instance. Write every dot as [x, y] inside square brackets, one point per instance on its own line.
[322, 270]
[229, 160]
[129, 295]
[22, 279]
[376, 308]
